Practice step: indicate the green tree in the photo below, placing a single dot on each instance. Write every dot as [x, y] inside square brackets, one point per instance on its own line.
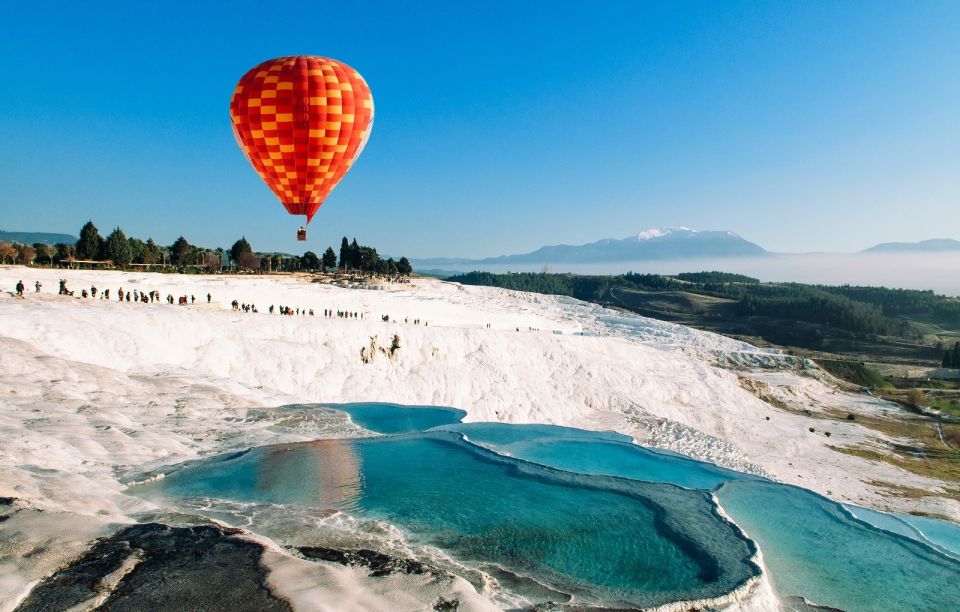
[329, 259]
[118, 248]
[955, 360]
[63, 251]
[344, 253]
[391, 267]
[404, 267]
[369, 259]
[239, 247]
[947, 360]
[90, 243]
[137, 249]
[354, 254]
[43, 252]
[180, 252]
[151, 252]
[310, 261]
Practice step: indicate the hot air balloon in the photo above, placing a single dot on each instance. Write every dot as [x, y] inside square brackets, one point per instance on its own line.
[302, 121]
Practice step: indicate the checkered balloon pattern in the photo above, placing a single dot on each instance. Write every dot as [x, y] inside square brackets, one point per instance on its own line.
[302, 121]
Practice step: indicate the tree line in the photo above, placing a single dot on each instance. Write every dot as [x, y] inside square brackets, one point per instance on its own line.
[862, 311]
[122, 251]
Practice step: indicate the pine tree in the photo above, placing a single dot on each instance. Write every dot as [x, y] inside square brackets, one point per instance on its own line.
[90, 243]
[369, 259]
[955, 360]
[947, 360]
[239, 247]
[354, 254]
[180, 252]
[404, 267]
[117, 248]
[344, 253]
[329, 259]
[151, 252]
[137, 249]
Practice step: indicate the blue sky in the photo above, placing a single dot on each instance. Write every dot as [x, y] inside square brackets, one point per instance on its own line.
[501, 126]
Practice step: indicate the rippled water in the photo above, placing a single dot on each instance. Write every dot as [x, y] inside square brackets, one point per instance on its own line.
[589, 515]
[599, 540]
[812, 546]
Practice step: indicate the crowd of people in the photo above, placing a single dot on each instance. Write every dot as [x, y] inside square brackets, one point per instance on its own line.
[154, 296]
[134, 295]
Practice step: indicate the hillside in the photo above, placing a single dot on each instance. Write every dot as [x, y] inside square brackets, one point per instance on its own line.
[34, 237]
[936, 245]
[885, 324]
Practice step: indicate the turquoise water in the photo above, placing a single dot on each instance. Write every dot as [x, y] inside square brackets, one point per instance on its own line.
[393, 419]
[598, 540]
[593, 516]
[942, 533]
[811, 546]
[589, 452]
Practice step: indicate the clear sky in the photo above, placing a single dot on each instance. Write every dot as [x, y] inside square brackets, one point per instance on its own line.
[501, 126]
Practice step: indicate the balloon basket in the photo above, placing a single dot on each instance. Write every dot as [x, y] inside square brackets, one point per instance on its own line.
[302, 234]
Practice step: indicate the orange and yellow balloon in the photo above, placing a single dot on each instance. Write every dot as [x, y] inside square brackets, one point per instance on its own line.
[302, 121]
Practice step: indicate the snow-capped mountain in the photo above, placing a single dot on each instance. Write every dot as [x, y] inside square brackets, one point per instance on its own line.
[658, 243]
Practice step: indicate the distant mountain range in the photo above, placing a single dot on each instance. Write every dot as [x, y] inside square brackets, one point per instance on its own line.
[667, 244]
[663, 244]
[34, 237]
[925, 246]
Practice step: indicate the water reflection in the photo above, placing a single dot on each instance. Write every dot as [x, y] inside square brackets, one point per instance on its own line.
[327, 473]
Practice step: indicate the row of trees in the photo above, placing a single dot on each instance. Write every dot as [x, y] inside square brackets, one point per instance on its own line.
[22, 253]
[122, 251]
[354, 256]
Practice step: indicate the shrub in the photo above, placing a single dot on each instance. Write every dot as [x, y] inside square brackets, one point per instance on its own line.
[916, 398]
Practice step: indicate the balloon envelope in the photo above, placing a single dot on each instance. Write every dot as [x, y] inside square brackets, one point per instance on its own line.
[302, 121]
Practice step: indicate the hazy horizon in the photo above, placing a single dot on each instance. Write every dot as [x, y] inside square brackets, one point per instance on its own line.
[923, 271]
